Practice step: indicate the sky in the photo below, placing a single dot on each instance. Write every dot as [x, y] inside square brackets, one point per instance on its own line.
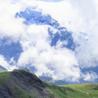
[54, 38]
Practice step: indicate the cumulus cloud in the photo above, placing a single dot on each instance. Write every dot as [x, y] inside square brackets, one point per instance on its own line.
[9, 25]
[34, 40]
[79, 16]
[46, 58]
[87, 51]
[60, 63]
[90, 76]
[6, 64]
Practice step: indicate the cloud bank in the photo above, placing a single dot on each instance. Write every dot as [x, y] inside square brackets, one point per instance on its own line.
[58, 62]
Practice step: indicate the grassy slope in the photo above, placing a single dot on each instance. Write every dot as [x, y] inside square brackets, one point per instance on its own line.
[15, 88]
[84, 90]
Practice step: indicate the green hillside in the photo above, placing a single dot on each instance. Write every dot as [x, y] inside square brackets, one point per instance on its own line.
[21, 84]
[84, 90]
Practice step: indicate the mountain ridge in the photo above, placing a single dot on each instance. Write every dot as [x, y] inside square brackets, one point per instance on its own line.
[22, 84]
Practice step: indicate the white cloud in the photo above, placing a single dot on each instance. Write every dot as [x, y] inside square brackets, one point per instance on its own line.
[45, 58]
[79, 16]
[51, 0]
[5, 64]
[87, 52]
[9, 25]
[90, 76]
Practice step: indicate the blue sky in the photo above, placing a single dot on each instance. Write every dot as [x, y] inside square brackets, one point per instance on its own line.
[56, 38]
[10, 49]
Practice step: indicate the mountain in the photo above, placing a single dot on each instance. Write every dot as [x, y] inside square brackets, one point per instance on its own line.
[22, 84]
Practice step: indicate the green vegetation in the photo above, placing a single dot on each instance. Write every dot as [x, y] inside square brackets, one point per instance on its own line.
[84, 90]
[21, 84]
[4, 76]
